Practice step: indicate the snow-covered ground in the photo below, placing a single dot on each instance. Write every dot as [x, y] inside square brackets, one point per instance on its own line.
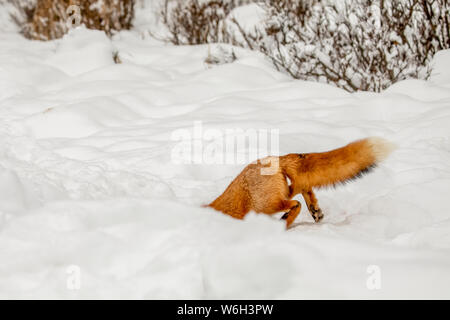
[91, 195]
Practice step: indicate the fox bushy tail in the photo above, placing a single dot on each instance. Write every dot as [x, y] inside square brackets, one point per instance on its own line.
[343, 164]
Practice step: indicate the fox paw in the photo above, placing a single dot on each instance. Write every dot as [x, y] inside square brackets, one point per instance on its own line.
[316, 214]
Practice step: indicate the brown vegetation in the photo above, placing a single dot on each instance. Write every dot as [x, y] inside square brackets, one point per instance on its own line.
[51, 19]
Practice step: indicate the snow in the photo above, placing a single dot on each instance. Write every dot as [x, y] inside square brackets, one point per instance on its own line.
[76, 47]
[87, 178]
[440, 74]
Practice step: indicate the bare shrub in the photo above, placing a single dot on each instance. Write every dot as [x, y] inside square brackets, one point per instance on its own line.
[199, 21]
[358, 45]
[51, 19]
[196, 21]
[434, 31]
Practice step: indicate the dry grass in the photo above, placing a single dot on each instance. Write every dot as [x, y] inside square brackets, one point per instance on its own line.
[51, 19]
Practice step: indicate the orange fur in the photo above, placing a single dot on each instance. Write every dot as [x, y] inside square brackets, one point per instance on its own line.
[272, 193]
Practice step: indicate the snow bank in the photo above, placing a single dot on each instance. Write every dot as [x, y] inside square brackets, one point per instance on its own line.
[87, 178]
[81, 51]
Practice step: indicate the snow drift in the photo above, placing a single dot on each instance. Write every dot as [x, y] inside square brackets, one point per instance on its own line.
[87, 178]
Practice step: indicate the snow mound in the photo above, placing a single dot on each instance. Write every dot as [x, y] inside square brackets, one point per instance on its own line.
[82, 50]
[93, 205]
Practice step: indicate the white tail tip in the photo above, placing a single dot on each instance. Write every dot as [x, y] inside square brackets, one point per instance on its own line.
[381, 148]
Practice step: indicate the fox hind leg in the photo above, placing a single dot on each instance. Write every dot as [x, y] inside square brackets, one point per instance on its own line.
[313, 205]
[294, 209]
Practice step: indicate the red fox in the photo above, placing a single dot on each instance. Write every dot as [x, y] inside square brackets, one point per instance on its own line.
[298, 173]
